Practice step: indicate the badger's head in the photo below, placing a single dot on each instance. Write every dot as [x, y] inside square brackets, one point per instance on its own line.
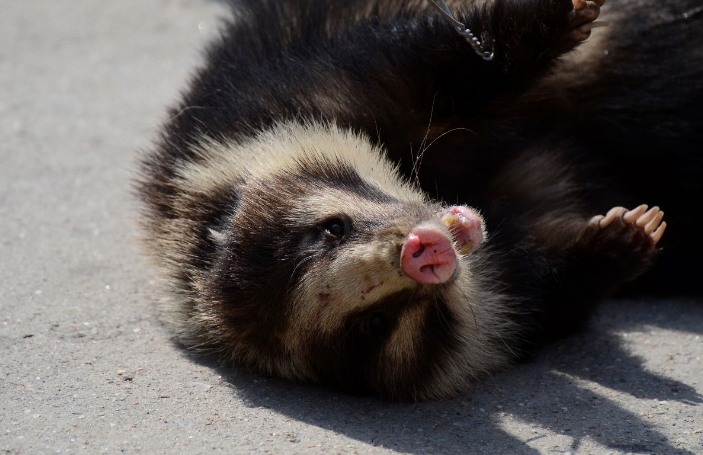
[322, 265]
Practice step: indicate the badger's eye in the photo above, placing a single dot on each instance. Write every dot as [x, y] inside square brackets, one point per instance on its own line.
[377, 322]
[372, 325]
[335, 228]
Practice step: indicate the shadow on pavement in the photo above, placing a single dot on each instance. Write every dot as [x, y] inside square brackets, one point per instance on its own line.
[571, 389]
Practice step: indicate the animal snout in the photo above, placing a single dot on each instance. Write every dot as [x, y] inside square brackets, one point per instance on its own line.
[428, 256]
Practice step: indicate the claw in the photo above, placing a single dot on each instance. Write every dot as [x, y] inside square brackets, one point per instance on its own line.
[633, 214]
[611, 216]
[585, 28]
[652, 225]
[647, 217]
[657, 235]
[579, 4]
[596, 219]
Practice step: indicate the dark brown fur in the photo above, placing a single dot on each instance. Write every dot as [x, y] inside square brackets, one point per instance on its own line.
[287, 127]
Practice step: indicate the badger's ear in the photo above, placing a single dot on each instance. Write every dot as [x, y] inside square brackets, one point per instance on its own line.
[220, 238]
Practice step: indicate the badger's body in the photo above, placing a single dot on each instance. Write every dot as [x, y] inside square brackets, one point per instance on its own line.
[291, 196]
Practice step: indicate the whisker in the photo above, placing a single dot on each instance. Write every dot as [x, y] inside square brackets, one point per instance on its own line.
[298, 264]
[442, 320]
[471, 307]
[418, 161]
[445, 133]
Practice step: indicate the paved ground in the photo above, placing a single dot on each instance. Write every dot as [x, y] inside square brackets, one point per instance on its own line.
[86, 366]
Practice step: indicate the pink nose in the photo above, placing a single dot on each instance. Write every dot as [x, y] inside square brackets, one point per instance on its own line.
[428, 256]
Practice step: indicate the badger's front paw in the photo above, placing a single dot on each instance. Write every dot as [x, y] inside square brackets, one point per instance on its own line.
[581, 21]
[638, 225]
[628, 237]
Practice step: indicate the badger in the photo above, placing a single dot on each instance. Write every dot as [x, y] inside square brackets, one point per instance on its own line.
[355, 194]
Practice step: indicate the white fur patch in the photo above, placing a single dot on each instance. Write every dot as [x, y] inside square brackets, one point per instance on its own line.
[282, 147]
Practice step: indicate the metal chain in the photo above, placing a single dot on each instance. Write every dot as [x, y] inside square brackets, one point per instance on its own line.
[463, 30]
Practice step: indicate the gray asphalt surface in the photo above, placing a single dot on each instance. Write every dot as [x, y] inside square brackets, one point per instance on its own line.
[86, 366]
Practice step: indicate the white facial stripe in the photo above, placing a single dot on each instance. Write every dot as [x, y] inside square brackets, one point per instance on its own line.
[335, 202]
[280, 149]
[405, 341]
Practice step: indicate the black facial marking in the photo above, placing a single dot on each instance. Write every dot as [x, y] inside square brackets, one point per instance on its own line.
[377, 322]
[355, 357]
[340, 176]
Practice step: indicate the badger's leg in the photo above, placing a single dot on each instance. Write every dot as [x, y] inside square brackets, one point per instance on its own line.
[409, 80]
[454, 89]
[559, 258]
[582, 21]
[525, 36]
[561, 264]
[576, 261]
[528, 34]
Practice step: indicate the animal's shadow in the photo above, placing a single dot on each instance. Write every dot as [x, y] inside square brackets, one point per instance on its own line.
[567, 390]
